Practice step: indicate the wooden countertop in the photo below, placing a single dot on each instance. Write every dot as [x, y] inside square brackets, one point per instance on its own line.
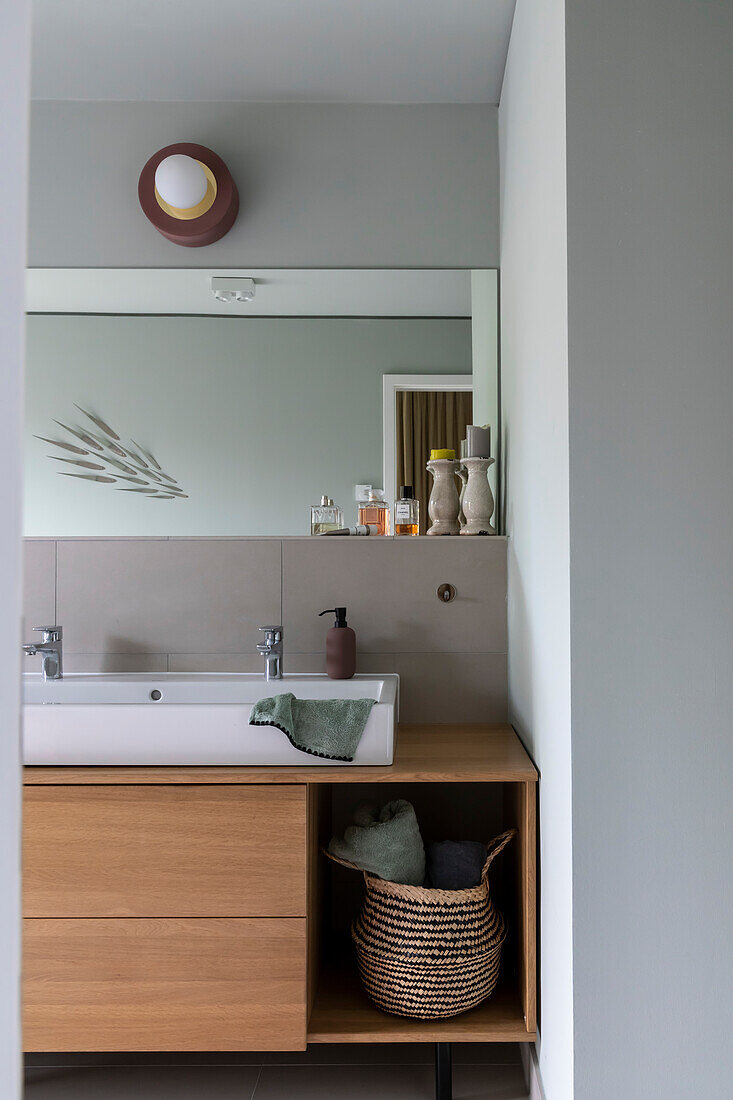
[424, 754]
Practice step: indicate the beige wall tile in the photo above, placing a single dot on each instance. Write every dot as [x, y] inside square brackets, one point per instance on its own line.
[115, 662]
[374, 663]
[183, 596]
[194, 605]
[39, 585]
[452, 687]
[252, 662]
[305, 662]
[215, 662]
[389, 587]
[369, 663]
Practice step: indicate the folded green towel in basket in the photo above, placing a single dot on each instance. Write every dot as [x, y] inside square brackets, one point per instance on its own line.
[331, 728]
[384, 842]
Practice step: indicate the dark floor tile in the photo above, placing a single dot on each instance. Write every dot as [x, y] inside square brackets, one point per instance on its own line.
[141, 1083]
[387, 1082]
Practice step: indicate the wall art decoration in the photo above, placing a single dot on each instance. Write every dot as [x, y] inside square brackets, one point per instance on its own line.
[105, 458]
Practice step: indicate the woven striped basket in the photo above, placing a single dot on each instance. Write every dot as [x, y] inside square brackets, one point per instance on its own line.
[429, 953]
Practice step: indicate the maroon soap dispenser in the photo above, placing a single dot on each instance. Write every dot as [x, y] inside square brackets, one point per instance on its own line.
[340, 646]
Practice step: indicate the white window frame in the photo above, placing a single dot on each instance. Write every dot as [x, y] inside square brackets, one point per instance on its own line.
[391, 385]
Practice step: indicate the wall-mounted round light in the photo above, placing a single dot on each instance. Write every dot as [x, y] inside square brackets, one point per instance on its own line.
[181, 182]
[187, 193]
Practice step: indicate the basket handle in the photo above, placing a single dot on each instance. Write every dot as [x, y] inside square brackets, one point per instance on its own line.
[343, 862]
[494, 847]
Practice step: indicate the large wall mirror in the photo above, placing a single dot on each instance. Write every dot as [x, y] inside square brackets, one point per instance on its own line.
[155, 408]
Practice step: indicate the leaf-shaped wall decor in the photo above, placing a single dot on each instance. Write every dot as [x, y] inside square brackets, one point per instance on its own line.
[83, 436]
[100, 423]
[117, 461]
[78, 462]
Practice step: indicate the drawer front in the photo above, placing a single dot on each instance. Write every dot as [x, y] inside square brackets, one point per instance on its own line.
[183, 851]
[103, 985]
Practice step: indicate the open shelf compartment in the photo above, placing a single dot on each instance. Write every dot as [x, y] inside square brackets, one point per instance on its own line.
[339, 1009]
[342, 1013]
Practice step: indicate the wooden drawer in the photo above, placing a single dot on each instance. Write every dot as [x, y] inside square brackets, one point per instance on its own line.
[102, 985]
[154, 851]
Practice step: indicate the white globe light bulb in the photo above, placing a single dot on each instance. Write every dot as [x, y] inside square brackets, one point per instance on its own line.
[180, 181]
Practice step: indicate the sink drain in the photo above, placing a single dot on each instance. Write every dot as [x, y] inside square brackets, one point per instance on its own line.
[155, 695]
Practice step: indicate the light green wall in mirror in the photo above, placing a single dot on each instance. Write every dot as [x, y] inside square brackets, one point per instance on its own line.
[255, 417]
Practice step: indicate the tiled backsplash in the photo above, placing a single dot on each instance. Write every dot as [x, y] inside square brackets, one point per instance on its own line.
[151, 605]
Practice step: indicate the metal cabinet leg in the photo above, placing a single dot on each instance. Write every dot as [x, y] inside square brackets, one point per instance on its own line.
[443, 1072]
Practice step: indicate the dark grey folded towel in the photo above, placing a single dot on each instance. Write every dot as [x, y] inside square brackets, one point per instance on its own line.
[455, 864]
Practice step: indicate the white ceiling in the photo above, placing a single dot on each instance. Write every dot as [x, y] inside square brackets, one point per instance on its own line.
[341, 51]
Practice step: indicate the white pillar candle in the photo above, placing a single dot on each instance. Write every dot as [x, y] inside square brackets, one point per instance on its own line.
[479, 441]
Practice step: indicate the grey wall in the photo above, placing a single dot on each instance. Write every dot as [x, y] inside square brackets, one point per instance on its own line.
[14, 83]
[535, 418]
[194, 605]
[255, 417]
[321, 185]
[650, 265]
[638, 412]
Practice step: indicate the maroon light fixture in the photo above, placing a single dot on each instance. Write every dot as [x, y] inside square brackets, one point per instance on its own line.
[187, 193]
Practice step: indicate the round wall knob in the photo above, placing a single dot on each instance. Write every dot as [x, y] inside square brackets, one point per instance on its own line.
[446, 593]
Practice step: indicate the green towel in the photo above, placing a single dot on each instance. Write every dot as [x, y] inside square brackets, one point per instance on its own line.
[331, 728]
[385, 842]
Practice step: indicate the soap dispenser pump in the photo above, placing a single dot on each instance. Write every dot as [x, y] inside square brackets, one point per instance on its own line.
[340, 646]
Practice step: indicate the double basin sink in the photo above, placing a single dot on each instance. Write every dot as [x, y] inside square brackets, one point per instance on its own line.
[195, 719]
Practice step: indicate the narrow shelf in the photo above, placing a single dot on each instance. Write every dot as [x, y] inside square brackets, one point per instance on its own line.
[342, 1013]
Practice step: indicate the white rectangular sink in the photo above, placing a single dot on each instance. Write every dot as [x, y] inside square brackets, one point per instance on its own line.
[197, 719]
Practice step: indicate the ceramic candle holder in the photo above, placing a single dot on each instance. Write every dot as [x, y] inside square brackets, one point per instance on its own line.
[463, 475]
[478, 500]
[444, 506]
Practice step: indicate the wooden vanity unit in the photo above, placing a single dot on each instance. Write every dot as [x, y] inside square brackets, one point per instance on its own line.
[187, 908]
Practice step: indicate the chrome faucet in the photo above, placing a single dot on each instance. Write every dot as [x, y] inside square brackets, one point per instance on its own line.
[51, 650]
[272, 650]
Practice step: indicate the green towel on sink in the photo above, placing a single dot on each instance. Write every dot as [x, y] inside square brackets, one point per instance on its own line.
[331, 728]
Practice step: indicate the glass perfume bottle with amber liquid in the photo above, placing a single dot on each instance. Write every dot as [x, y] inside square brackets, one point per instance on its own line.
[406, 512]
[375, 511]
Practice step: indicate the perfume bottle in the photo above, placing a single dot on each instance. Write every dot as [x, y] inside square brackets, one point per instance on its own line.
[326, 516]
[406, 512]
[375, 510]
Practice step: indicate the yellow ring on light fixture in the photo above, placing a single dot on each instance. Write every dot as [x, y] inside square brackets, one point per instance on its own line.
[193, 211]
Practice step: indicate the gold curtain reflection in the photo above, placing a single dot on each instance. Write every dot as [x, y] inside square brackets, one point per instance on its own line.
[427, 420]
